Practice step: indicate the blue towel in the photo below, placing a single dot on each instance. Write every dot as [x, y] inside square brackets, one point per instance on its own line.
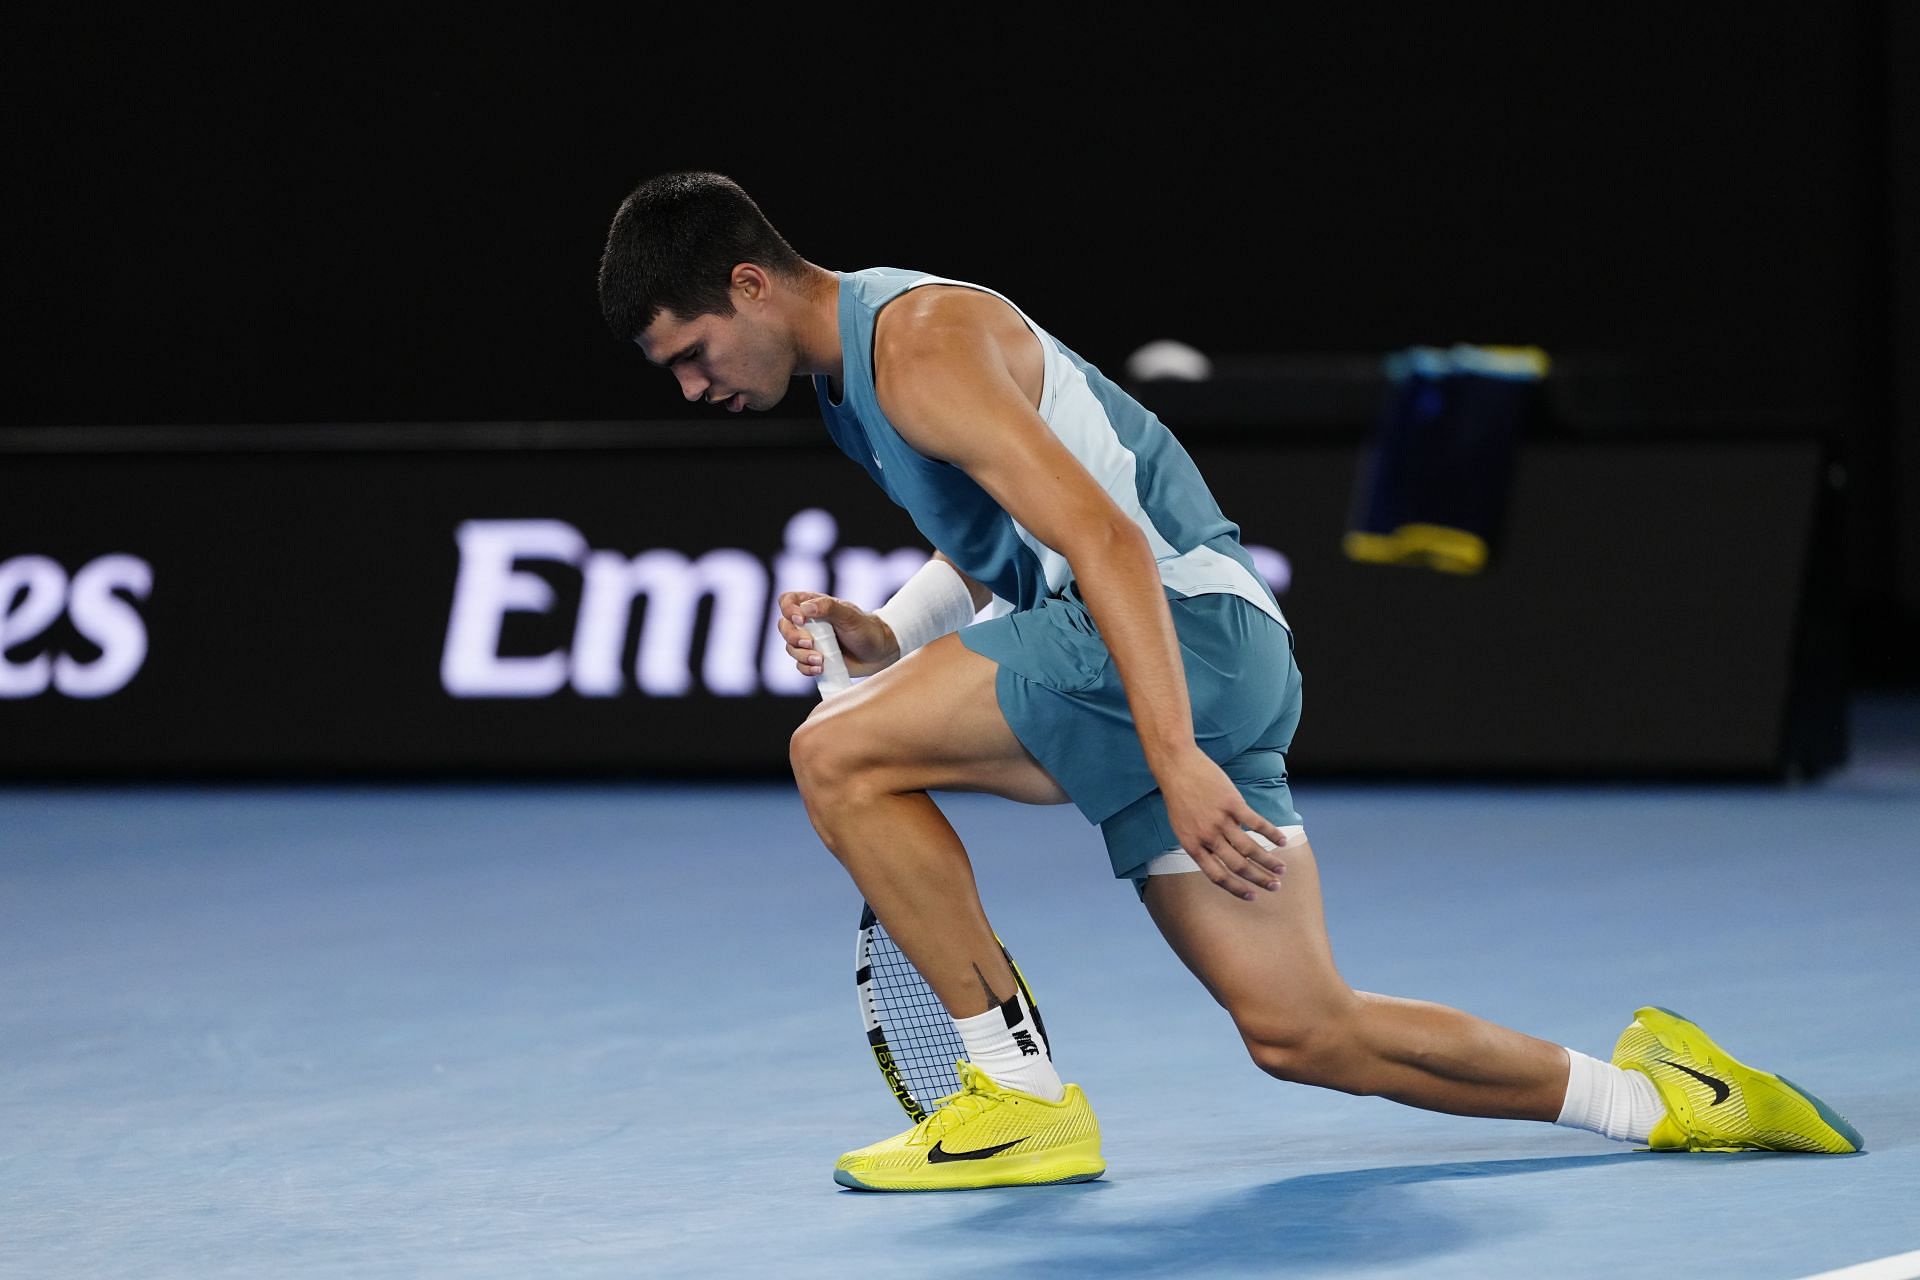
[1433, 490]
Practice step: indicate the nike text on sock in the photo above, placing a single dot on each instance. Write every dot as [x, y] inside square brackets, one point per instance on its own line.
[1007, 1043]
[1609, 1100]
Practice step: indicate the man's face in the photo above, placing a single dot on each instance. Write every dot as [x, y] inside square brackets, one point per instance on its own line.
[733, 360]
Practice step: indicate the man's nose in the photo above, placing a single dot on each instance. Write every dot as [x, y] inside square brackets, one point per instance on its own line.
[692, 385]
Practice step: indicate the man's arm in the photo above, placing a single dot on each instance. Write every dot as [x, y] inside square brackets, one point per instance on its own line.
[925, 608]
[946, 374]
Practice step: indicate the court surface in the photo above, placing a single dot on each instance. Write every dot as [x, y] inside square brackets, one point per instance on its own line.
[610, 1030]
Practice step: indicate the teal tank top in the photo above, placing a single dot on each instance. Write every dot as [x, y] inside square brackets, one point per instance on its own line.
[1128, 451]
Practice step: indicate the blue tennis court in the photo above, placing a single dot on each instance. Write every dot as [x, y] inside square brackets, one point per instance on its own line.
[610, 1030]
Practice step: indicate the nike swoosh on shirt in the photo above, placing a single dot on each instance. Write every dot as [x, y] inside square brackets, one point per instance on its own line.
[1721, 1090]
[940, 1155]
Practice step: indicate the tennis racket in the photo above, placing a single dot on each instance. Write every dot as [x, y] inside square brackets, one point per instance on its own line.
[913, 1039]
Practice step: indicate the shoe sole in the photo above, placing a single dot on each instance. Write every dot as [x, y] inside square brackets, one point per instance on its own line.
[848, 1180]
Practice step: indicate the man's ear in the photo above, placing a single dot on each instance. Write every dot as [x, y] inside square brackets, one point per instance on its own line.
[751, 281]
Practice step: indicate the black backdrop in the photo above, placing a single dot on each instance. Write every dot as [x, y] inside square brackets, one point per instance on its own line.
[262, 225]
[316, 219]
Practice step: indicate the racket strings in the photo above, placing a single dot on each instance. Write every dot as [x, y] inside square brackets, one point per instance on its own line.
[919, 1033]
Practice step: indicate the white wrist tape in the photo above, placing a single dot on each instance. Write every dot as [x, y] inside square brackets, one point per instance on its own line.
[931, 603]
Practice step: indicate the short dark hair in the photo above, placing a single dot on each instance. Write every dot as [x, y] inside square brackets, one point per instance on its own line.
[673, 247]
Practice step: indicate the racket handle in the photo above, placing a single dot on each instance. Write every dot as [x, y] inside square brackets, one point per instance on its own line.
[833, 667]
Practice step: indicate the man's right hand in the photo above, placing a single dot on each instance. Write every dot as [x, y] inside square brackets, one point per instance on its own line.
[867, 643]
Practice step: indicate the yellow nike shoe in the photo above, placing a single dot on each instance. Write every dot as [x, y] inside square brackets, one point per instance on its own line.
[1717, 1103]
[986, 1135]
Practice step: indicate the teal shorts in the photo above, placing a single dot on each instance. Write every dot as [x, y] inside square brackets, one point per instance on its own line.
[1060, 692]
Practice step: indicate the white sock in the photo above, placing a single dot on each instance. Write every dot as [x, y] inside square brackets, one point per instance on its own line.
[1006, 1043]
[1609, 1100]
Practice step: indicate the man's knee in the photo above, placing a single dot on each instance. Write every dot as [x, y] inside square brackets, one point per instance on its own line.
[1313, 1057]
[823, 754]
[807, 751]
[1317, 1047]
[836, 772]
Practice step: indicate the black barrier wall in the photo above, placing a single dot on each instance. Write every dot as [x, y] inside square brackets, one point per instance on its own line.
[606, 609]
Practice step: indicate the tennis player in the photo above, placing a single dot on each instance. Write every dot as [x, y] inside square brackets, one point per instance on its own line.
[1145, 674]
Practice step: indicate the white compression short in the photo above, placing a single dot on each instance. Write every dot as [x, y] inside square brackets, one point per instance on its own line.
[1176, 861]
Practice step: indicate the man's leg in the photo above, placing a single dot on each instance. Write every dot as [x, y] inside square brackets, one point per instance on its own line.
[864, 764]
[1269, 965]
